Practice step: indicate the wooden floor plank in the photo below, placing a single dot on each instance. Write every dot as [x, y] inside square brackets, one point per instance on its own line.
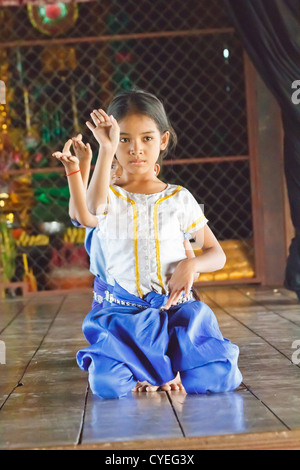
[136, 416]
[22, 337]
[236, 412]
[9, 309]
[48, 407]
[218, 414]
[278, 301]
[265, 363]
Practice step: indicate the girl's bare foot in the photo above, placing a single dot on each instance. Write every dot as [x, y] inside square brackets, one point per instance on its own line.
[174, 384]
[145, 387]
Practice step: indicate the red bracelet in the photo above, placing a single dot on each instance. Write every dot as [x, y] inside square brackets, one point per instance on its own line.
[74, 172]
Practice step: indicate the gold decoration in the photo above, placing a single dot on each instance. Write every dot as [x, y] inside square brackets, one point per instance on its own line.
[58, 58]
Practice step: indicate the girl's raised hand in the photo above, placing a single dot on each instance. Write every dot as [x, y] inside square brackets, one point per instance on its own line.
[70, 162]
[106, 130]
[82, 151]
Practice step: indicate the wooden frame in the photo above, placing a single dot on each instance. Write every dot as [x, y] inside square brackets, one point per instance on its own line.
[15, 285]
[284, 440]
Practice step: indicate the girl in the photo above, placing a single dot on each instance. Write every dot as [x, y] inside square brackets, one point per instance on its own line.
[144, 328]
[83, 157]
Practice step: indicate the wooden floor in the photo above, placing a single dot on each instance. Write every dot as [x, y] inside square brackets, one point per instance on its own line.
[45, 401]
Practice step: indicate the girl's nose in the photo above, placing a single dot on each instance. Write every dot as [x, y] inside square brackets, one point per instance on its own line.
[136, 152]
[136, 148]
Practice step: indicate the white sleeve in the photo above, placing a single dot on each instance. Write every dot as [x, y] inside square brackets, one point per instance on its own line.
[103, 215]
[194, 218]
[102, 218]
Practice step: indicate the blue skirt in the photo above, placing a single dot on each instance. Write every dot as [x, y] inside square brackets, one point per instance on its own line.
[133, 339]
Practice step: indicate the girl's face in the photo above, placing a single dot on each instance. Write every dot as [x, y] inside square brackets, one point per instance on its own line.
[140, 144]
[115, 172]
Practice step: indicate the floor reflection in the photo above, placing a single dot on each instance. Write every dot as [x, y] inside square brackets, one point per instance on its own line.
[151, 415]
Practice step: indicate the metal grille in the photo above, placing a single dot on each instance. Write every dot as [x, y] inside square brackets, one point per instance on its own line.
[184, 52]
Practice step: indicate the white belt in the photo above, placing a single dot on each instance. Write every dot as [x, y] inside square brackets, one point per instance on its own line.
[111, 299]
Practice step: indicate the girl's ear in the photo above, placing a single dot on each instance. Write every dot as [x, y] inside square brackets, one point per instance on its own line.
[165, 140]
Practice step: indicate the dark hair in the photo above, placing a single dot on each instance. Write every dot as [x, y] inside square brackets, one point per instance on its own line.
[141, 102]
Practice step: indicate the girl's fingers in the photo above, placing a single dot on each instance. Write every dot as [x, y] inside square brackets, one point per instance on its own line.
[103, 114]
[90, 126]
[81, 145]
[67, 146]
[65, 158]
[95, 119]
[187, 290]
[78, 145]
[107, 119]
[99, 115]
[113, 120]
[99, 122]
[174, 297]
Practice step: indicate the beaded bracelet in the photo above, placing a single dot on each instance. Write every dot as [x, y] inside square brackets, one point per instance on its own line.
[74, 172]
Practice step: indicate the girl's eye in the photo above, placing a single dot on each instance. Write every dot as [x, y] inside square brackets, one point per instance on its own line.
[148, 138]
[124, 139]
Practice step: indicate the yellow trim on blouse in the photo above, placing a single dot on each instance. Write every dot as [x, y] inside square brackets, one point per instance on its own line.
[135, 228]
[157, 238]
[195, 223]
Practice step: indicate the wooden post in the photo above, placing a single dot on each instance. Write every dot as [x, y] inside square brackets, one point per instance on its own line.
[14, 285]
[270, 167]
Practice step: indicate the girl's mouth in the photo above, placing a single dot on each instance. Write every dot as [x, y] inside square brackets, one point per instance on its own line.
[137, 162]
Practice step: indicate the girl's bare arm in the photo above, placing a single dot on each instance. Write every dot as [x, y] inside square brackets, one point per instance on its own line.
[84, 154]
[107, 133]
[77, 190]
[213, 257]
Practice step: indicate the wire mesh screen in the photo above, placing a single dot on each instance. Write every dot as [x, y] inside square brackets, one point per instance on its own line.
[184, 52]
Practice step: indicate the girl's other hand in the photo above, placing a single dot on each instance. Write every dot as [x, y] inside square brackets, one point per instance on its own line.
[181, 280]
[106, 130]
[70, 162]
[82, 151]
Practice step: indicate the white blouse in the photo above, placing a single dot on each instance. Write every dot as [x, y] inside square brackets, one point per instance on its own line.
[143, 234]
